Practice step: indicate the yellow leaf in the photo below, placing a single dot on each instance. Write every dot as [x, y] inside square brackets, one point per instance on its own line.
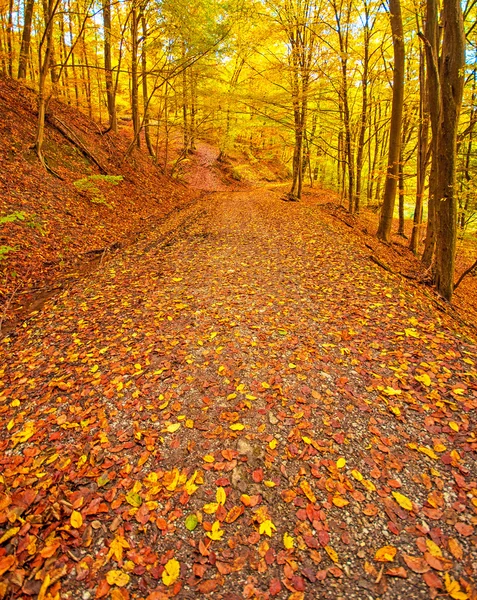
[189, 424]
[15, 402]
[307, 440]
[267, 528]
[171, 572]
[339, 501]
[76, 519]
[173, 427]
[403, 501]
[453, 588]
[395, 410]
[94, 368]
[211, 508]
[433, 548]
[357, 475]
[208, 458]
[44, 586]
[389, 391]
[453, 425]
[237, 427]
[220, 496]
[440, 447]
[385, 554]
[177, 279]
[12, 532]
[411, 333]
[250, 397]
[340, 463]
[265, 385]
[117, 547]
[458, 391]
[292, 365]
[22, 436]
[288, 541]
[305, 486]
[269, 483]
[10, 424]
[332, 554]
[428, 452]
[216, 533]
[273, 444]
[117, 577]
[369, 485]
[424, 378]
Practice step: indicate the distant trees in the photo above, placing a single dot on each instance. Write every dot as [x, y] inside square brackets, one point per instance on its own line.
[317, 86]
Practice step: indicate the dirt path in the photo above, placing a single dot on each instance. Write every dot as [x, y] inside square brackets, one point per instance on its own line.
[203, 174]
[248, 409]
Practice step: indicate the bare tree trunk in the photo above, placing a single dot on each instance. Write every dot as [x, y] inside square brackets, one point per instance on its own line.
[10, 38]
[185, 102]
[401, 193]
[431, 41]
[422, 154]
[44, 59]
[343, 38]
[145, 95]
[452, 65]
[364, 109]
[134, 74]
[386, 219]
[26, 37]
[108, 71]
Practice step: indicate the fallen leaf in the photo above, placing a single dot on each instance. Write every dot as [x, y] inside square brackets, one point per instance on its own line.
[402, 500]
[171, 572]
[76, 519]
[117, 577]
[385, 554]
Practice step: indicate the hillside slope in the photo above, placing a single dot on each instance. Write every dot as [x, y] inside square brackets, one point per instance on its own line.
[54, 226]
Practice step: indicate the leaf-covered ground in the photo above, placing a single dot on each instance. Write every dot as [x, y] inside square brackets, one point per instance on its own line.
[242, 405]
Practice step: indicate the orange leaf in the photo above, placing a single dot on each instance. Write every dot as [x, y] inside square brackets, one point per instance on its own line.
[456, 548]
[234, 513]
[385, 554]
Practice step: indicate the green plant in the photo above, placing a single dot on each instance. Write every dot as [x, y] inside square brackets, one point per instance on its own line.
[88, 185]
[18, 215]
[4, 250]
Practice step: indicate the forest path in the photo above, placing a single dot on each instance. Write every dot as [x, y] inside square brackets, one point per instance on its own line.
[249, 408]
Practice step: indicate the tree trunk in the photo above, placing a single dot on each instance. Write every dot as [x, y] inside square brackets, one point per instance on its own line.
[10, 38]
[401, 194]
[26, 37]
[422, 152]
[364, 110]
[134, 74]
[44, 68]
[145, 95]
[452, 65]
[108, 71]
[386, 220]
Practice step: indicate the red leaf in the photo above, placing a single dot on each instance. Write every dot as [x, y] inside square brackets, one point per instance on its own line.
[432, 580]
[258, 475]
[397, 572]
[464, 529]
[416, 563]
[275, 587]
